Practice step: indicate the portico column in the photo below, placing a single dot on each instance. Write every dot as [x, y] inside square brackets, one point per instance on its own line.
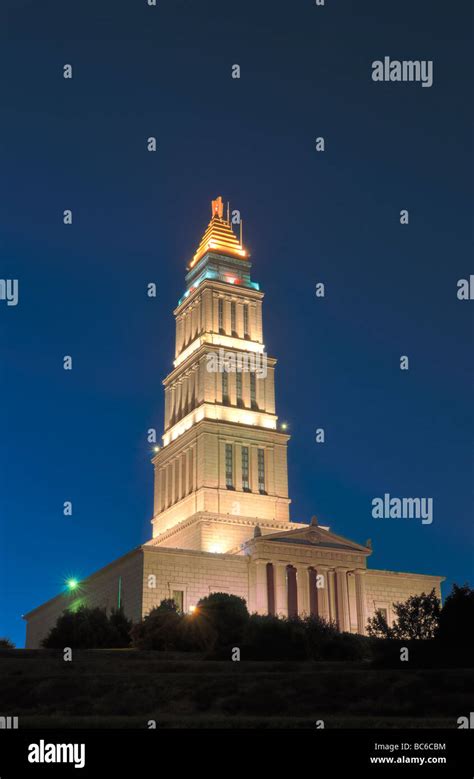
[360, 600]
[261, 595]
[322, 589]
[302, 584]
[342, 606]
[281, 593]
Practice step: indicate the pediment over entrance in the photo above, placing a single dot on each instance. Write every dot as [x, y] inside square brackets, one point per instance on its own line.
[312, 536]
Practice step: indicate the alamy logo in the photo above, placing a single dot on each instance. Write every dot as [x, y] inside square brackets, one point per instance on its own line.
[57, 753]
[9, 291]
[403, 508]
[237, 362]
[404, 70]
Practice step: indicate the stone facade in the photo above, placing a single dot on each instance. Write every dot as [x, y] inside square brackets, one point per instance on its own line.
[221, 519]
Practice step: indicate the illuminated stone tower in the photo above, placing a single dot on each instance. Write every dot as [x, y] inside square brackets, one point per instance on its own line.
[221, 510]
[222, 468]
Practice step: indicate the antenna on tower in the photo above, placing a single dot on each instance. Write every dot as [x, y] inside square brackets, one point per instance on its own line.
[228, 212]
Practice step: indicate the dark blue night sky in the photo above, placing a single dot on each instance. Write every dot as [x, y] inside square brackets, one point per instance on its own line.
[309, 217]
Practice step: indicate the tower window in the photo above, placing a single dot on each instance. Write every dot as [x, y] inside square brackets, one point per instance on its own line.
[246, 321]
[233, 319]
[225, 387]
[220, 308]
[229, 467]
[178, 597]
[261, 471]
[245, 469]
[253, 390]
[238, 383]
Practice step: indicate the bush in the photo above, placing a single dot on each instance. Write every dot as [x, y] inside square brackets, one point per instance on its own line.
[318, 634]
[158, 630]
[271, 638]
[224, 616]
[421, 653]
[120, 628]
[89, 629]
[348, 646]
[168, 604]
[377, 626]
[456, 621]
[195, 635]
[417, 617]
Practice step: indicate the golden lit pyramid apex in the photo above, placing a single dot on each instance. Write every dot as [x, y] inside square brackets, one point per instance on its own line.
[219, 236]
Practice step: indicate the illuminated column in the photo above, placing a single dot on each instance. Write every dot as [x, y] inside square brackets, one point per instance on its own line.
[172, 406]
[179, 476]
[186, 328]
[322, 589]
[261, 595]
[302, 584]
[195, 375]
[270, 390]
[182, 396]
[199, 315]
[168, 484]
[174, 476]
[177, 400]
[167, 406]
[281, 593]
[258, 323]
[179, 335]
[360, 600]
[200, 382]
[187, 390]
[214, 314]
[252, 322]
[342, 606]
[162, 489]
[204, 311]
[193, 467]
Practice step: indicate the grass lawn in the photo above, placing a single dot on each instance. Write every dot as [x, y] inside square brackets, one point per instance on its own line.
[127, 688]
